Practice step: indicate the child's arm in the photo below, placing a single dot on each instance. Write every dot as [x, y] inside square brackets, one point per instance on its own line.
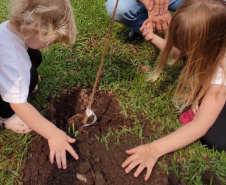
[147, 32]
[57, 139]
[145, 156]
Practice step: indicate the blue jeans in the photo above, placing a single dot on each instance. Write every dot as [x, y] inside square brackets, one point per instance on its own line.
[133, 13]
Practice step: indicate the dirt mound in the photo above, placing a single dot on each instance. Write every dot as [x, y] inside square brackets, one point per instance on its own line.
[101, 147]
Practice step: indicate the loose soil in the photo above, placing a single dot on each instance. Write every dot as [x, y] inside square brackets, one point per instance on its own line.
[99, 163]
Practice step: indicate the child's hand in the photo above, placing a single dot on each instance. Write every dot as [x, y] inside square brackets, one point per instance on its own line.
[142, 156]
[58, 145]
[147, 30]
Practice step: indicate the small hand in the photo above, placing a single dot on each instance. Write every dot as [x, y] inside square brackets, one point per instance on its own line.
[58, 145]
[143, 157]
[147, 30]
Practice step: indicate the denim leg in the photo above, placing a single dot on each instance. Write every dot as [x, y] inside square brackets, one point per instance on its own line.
[131, 13]
[174, 4]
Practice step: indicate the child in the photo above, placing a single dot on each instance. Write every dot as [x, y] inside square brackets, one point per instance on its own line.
[33, 24]
[197, 34]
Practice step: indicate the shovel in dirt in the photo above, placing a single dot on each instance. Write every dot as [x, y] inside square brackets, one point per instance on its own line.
[89, 111]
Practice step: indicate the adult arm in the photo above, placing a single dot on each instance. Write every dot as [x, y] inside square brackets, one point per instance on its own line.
[145, 156]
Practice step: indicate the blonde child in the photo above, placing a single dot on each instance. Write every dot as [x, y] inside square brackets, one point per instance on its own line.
[197, 33]
[32, 25]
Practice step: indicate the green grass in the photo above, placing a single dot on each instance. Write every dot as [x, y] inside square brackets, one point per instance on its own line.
[121, 75]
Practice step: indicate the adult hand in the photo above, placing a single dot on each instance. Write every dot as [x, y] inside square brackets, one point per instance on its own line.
[160, 23]
[161, 6]
[142, 156]
[58, 145]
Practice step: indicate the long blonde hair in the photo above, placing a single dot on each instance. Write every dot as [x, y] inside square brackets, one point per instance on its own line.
[52, 20]
[198, 30]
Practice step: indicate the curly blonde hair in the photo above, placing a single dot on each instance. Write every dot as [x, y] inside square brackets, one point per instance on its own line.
[198, 30]
[52, 20]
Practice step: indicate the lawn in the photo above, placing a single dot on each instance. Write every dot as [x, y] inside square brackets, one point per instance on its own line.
[64, 67]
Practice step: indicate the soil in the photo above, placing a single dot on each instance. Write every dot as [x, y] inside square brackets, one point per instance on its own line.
[99, 163]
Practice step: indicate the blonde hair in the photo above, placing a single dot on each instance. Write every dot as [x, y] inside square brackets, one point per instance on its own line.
[52, 20]
[198, 30]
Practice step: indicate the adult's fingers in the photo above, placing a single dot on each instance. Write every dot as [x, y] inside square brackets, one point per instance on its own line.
[150, 18]
[72, 152]
[164, 26]
[169, 19]
[165, 6]
[154, 27]
[151, 5]
[159, 27]
[63, 159]
[58, 159]
[51, 156]
[161, 6]
[156, 7]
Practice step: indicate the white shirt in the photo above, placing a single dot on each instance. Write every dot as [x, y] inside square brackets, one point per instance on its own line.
[15, 67]
[219, 77]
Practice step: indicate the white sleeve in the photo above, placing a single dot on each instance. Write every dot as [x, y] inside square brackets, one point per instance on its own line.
[13, 87]
[219, 77]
